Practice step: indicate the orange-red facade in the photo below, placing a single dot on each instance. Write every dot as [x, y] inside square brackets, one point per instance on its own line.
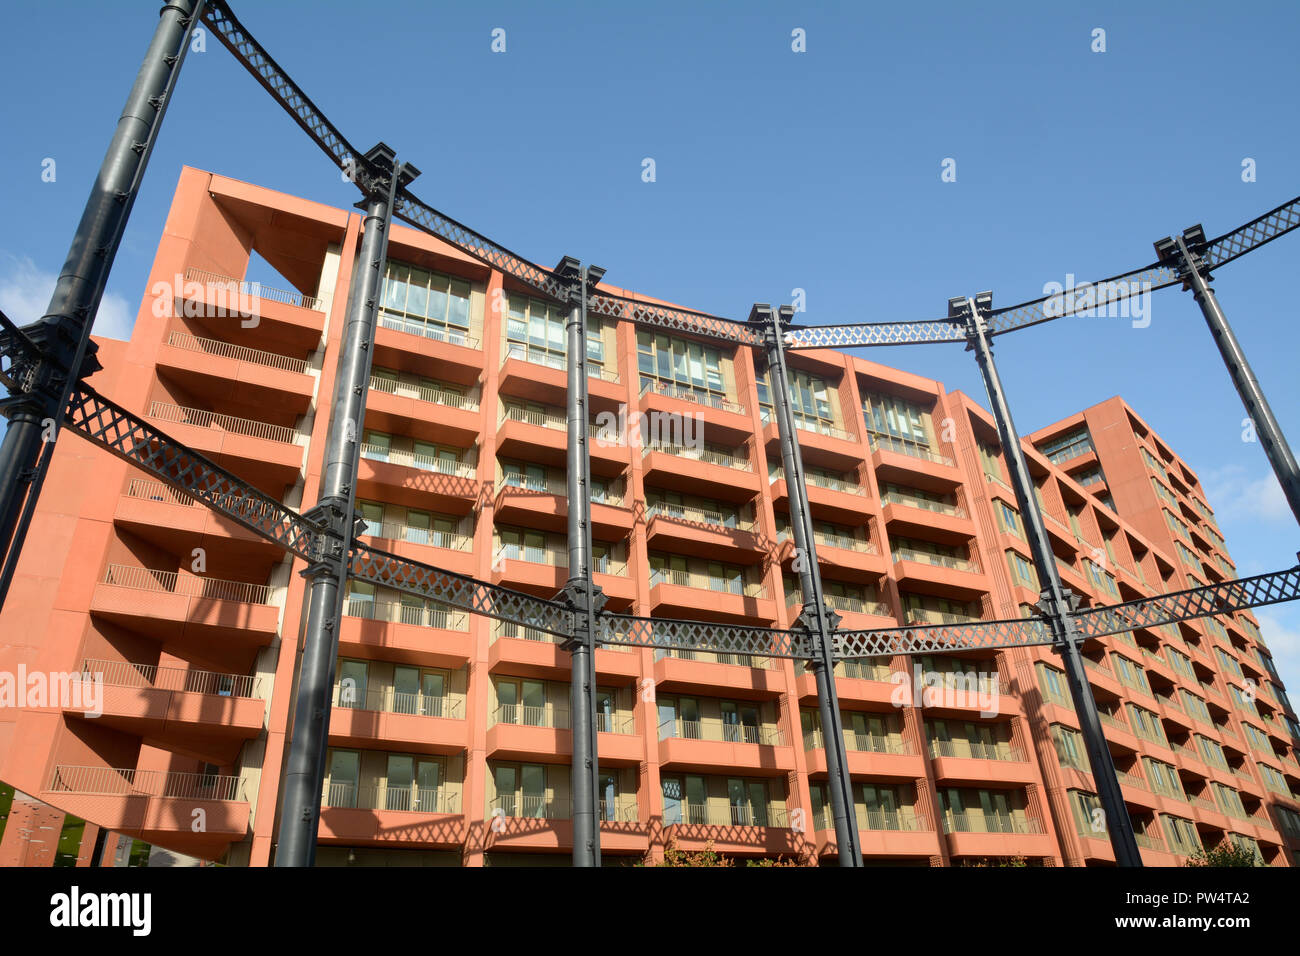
[449, 740]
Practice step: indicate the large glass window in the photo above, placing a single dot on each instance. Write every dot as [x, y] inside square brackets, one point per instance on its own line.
[896, 423]
[1070, 445]
[678, 366]
[426, 303]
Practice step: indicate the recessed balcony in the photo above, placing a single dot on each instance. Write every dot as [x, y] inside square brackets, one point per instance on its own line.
[259, 311]
[426, 412]
[691, 595]
[409, 815]
[416, 480]
[704, 745]
[270, 456]
[421, 723]
[216, 371]
[708, 472]
[704, 532]
[412, 634]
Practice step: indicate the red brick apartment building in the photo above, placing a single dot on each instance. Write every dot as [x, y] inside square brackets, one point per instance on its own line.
[454, 747]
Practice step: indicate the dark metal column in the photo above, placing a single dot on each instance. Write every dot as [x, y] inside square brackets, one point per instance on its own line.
[1055, 603]
[63, 334]
[816, 617]
[579, 591]
[1185, 251]
[305, 767]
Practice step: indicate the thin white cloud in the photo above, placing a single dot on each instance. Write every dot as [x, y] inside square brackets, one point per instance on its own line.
[1282, 635]
[25, 291]
[1237, 494]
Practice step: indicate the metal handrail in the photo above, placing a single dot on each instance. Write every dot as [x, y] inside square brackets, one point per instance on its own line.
[386, 700]
[709, 814]
[690, 395]
[938, 560]
[938, 507]
[706, 455]
[397, 531]
[255, 289]
[442, 466]
[530, 715]
[539, 356]
[110, 781]
[149, 490]
[425, 393]
[713, 657]
[240, 353]
[154, 677]
[171, 582]
[716, 730]
[201, 418]
[992, 823]
[843, 602]
[692, 579]
[439, 333]
[348, 796]
[393, 612]
[977, 750]
[732, 522]
[890, 443]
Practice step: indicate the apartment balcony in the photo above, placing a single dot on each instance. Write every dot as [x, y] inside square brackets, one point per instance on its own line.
[262, 313]
[530, 822]
[706, 745]
[829, 498]
[685, 594]
[905, 832]
[820, 443]
[426, 636]
[909, 516]
[991, 834]
[415, 480]
[269, 456]
[157, 806]
[185, 609]
[1135, 789]
[869, 755]
[855, 559]
[856, 613]
[451, 550]
[413, 723]
[526, 652]
[908, 463]
[544, 571]
[176, 706]
[424, 412]
[177, 523]
[537, 375]
[738, 675]
[218, 372]
[701, 471]
[543, 437]
[732, 829]
[856, 682]
[543, 504]
[973, 763]
[724, 419]
[955, 577]
[406, 816]
[702, 532]
[542, 734]
[446, 347]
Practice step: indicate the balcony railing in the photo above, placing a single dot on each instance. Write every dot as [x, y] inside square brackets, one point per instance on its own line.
[240, 353]
[860, 743]
[912, 449]
[149, 490]
[412, 799]
[714, 657]
[904, 819]
[817, 479]
[530, 715]
[201, 418]
[386, 700]
[554, 420]
[921, 615]
[397, 531]
[707, 582]
[520, 633]
[443, 466]
[531, 806]
[424, 393]
[816, 426]
[862, 670]
[427, 330]
[392, 612]
[556, 556]
[169, 582]
[831, 539]
[615, 724]
[711, 814]
[540, 356]
[911, 501]
[1148, 842]
[977, 750]
[718, 519]
[714, 729]
[706, 455]
[843, 602]
[129, 782]
[153, 677]
[691, 395]
[971, 822]
[226, 285]
[951, 562]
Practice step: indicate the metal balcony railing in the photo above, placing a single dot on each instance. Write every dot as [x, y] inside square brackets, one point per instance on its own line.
[691, 395]
[861, 743]
[714, 657]
[389, 701]
[615, 724]
[861, 670]
[911, 501]
[201, 418]
[553, 419]
[977, 750]
[1111, 720]
[153, 677]
[714, 729]
[530, 715]
[807, 423]
[1148, 842]
[529, 806]
[556, 556]
[708, 456]
[424, 393]
[843, 602]
[712, 814]
[548, 484]
[952, 562]
[904, 819]
[540, 356]
[427, 330]
[443, 466]
[149, 490]
[240, 353]
[921, 615]
[972, 822]
[411, 799]
[129, 782]
[169, 582]
[912, 449]
[397, 531]
[730, 520]
[830, 539]
[393, 612]
[228, 284]
[817, 479]
[692, 579]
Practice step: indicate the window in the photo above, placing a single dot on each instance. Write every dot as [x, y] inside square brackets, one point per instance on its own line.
[421, 302]
[1101, 580]
[1022, 571]
[1181, 835]
[897, 423]
[1154, 463]
[1195, 707]
[1089, 818]
[810, 401]
[1069, 747]
[1130, 674]
[1008, 518]
[1090, 476]
[665, 360]
[1177, 526]
[991, 460]
[1070, 445]
[1052, 683]
[1147, 724]
[536, 332]
[1164, 778]
[1228, 662]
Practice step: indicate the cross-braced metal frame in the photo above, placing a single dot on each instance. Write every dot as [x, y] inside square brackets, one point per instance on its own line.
[44, 366]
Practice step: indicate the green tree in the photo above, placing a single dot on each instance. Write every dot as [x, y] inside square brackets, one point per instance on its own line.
[1226, 853]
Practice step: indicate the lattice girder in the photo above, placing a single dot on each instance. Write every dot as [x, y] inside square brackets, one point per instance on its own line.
[1257, 232]
[627, 629]
[876, 333]
[938, 638]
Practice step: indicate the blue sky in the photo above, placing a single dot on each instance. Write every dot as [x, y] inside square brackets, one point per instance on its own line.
[775, 170]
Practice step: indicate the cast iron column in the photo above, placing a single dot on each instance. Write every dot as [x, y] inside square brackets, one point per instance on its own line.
[1054, 604]
[1185, 250]
[305, 767]
[815, 617]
